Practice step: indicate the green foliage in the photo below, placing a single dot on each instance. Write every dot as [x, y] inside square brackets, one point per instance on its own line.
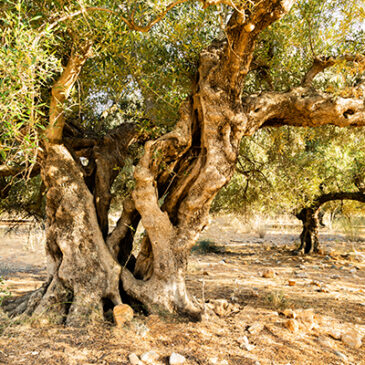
[280, 169]
[4, 292]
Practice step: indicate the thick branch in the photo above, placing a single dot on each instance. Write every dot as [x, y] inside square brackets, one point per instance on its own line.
[357, 196]
[61, 90]
[303, 108]
[321, 63]
[6, 170]
[242, 32]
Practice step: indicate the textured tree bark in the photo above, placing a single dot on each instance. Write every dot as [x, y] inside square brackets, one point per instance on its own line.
[180, 173]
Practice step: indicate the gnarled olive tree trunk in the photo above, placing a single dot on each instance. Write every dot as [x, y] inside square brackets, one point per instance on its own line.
[309, 216]
[176, 180]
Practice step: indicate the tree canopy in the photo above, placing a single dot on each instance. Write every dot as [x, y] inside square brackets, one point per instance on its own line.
[85, 84]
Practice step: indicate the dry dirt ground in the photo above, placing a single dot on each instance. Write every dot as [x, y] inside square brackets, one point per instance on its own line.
[248, 316]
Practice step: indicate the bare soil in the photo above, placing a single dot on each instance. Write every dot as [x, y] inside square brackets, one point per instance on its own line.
[247, 315]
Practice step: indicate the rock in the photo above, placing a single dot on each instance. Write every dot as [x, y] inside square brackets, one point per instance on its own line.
[306, 315]
[335, 276]
[341, 355]
[352, 339]
[300, 274]
[134, 360]
[268, 273]
[222, 307]
[291, 282]
[292, 325]
[324, 341]
[335, 333]
[245, 344]
[255, 328]
[316, 283]
[150, 357]
[122, 313]
[176, 359]
[288, 313]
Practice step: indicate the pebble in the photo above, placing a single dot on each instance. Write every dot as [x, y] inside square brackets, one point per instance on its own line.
[352, 339]
[335, 333]
[122, 313]
[289, 313]
[268, 273]
[149, 357]
[335, 276]
[176, 359]
[245, 344]
[292, 325]
[134, 360]
[300, 274]
[341, 355]
[255, 328]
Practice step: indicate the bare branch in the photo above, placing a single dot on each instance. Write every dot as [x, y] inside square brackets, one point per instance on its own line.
[6, 170]
[357, 196]
[322, 63]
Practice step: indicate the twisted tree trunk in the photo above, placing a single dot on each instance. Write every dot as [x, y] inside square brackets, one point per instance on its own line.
[176, 180]
[309, 216]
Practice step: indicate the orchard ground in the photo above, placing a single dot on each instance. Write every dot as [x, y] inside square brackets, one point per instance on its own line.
[252, 287]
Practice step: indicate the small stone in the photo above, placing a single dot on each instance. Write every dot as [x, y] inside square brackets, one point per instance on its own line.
[222, 307]
[268, 273]
[335, 333]
[288, 313]
[352, 339]
[306, 315]
[149, 357]
[255, 328]
[291, 282]
[134, 360]
[316, 283]
[300, 274]
[324, 341]
[245, 344]
[122, 313]
[176, 359]
[292, 325]
[335, 276]
[206, 273]
[341, 355]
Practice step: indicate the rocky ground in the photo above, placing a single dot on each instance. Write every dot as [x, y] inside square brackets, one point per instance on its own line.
[262, 306]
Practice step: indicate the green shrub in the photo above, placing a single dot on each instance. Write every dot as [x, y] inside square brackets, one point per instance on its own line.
[206, 246]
